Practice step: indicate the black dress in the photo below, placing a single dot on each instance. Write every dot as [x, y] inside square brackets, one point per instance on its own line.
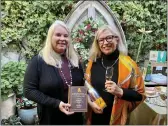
[44, 85]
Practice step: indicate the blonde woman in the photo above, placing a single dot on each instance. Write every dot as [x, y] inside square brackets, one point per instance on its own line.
[124, 90]
[50, 73]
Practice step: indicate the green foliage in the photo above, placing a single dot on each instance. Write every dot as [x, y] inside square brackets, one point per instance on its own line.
[135, 15]
[24, 103]
[12, 77]
[25, 23]
[83, 36]
[12, 120]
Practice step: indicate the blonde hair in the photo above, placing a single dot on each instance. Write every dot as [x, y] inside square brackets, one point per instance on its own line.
[50, 56]
[95, 51]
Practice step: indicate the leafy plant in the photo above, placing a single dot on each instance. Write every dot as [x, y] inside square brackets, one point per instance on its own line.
[12, 77]
[83, 36]
[24, 103]
[25, 23]
[134, 15]
[12, 120]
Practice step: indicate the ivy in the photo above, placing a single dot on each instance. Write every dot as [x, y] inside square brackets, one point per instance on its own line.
[135, 15]
[25, 23]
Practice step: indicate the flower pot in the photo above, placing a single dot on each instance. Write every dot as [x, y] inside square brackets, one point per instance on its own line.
[8, 107]
[27, 115]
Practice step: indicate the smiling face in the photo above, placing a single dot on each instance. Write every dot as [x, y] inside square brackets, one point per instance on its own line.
[60, 39]
[107, 42]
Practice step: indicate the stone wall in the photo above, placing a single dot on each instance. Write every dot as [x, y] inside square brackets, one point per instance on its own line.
[7, 55]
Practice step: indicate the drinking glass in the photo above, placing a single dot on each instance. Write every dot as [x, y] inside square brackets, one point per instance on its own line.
[109, 74]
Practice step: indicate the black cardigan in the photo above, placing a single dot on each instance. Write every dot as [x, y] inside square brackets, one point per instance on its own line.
[44, 85]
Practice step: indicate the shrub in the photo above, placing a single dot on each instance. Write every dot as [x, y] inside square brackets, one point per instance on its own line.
[12, 77]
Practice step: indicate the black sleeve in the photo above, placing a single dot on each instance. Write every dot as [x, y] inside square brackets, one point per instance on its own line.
[82, 73]
[131, 95]
[31, 84]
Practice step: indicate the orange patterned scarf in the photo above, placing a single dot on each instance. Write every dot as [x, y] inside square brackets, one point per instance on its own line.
[121, 108]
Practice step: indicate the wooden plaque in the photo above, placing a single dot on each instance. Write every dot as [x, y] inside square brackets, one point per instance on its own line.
[78, 98]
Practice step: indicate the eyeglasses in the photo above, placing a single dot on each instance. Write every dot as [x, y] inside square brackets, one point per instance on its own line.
[107, 38]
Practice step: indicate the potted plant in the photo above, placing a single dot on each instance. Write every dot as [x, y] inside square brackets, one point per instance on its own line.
[27, 110]
[12, 76]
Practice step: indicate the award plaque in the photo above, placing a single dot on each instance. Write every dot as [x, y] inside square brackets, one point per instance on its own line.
[78, 98]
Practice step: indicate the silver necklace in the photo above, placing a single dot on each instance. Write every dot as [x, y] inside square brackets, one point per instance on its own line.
[108, 66]
[69, 66]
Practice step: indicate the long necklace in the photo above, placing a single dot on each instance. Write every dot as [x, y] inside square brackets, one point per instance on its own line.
[66, 82]
[108, 66]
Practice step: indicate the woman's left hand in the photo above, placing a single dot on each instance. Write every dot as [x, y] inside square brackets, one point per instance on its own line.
[112, 88]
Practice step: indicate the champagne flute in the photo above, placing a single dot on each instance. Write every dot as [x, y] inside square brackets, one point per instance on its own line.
[109, 74]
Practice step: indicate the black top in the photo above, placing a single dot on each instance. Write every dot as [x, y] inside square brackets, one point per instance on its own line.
[44, 85]
[98, 82]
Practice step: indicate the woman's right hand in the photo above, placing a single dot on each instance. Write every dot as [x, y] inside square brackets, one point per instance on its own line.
[95, 107]
[64, 107]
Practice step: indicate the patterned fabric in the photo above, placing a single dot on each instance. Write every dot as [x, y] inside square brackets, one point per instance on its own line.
[129, 77]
